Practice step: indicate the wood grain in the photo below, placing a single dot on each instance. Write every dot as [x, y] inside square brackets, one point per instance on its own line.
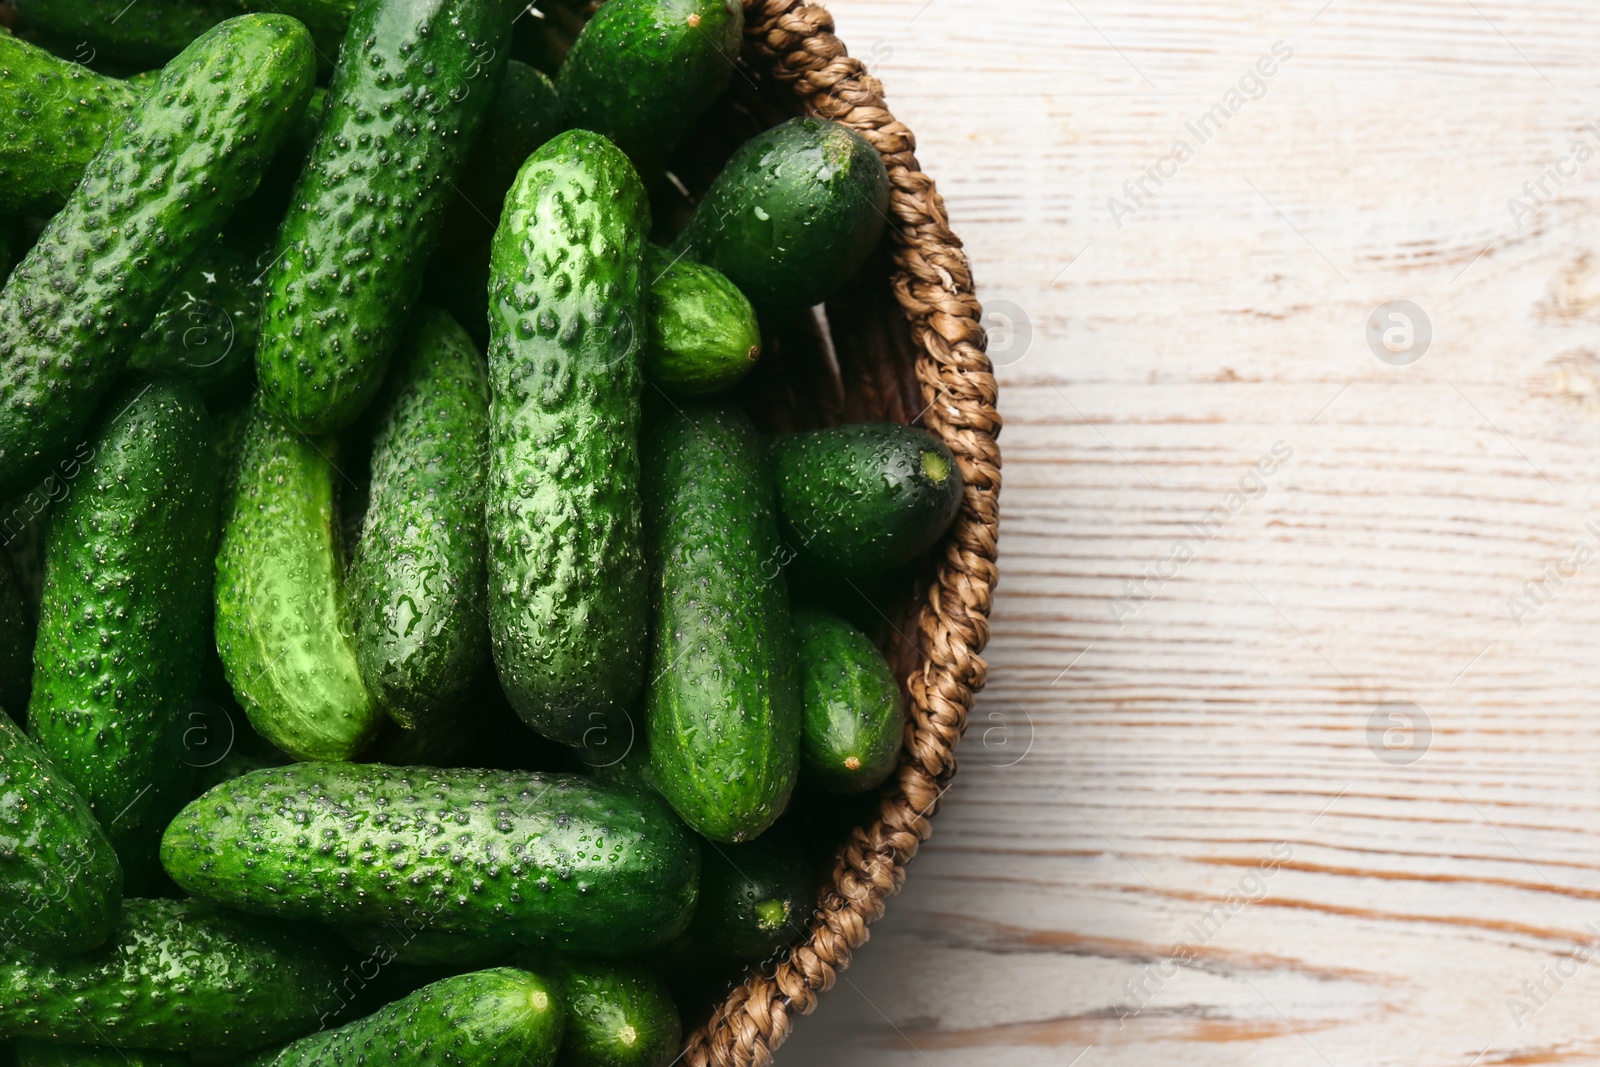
[1172, 837]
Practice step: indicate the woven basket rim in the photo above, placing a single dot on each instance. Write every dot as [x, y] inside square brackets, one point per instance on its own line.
[793, 40]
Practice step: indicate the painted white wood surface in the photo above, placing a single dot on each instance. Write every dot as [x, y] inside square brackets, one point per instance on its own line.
[1123, 777]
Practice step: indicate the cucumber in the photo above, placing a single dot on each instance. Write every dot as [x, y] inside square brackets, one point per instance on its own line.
[723, 707]
[854, 713]
[58, 873]
[43, 1054]
[618, 1015]
[795, 211]
[176, 975]
[282, 630]
[642, 71]
[754, 898]
[529, 857]
[861, 498]
[122, 629]
[413, 84]
[54, 116]
[566, 561]
[416, 584]
[703, 332]
[152, 198]
[16, 637]
[484, 1019]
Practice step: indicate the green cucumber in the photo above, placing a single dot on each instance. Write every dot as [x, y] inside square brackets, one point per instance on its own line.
[861, 498]
[723, 708]
[618, 1015]
[56, 115]
[529, 857]
[484, 1019]
[175, 975]
[282, 629]
[754, 898]
[122, 629]
[795, 212]
[642, 71]
[413, 85]
[854, 713]
[703, 332]
[16, 637]
[44, 1054]
[153, 197]
[58, 873]
[416, 584]
[566, 561]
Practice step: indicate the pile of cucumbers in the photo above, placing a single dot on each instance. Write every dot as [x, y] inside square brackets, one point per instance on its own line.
[410, 650]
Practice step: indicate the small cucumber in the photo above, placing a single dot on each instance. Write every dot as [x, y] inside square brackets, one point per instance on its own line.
[282, 629]
[618, 1015]
[723, 708]
[16, 636]
[795, 212]
[642, 71]
[413, 84]
[484, 1019]
[152, 199]
[858, 499]
[58, 873]
[44, 1054]
[54, 116]
[416, 585]
[703, 332]
[530, 857]
[754, 898]
[176, 975]
[566, 562]
[854, 712]
[122, 629]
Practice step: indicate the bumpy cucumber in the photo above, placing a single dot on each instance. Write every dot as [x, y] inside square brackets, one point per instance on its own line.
[857, 499]
[16, 635]
[44, 1054]
[566, 562]
[413, 85]
[177, 975]
[618, 1014]
[122, 628]
[795, 211]
[723, 710]
[153, 197]
[703, 332]
[642, 71]
[484, 1019]
[853, 714]
[754, 898]
[416, 585]
[535, 858]
[282, 629]
[59, 876]
[56, 115]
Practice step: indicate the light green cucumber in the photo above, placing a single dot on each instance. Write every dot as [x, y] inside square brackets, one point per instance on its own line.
[704, 336]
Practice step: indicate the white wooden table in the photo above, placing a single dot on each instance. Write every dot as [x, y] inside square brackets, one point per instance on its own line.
[1177, 835]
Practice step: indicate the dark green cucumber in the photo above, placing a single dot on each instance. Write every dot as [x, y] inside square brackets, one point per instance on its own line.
[723, 708]
[566, 561]
[122, 626]
[282, 629]
[754, 898]
[176, 975]
[416, 584]
[854, 713]
[16, 636]
[54, 116]
[414, 81]
[153, 197]
[703, 332]
[857, 499]
[484, 1019]
[795, 212]
[44, 1054]
[529, 857]
[618, 1014]
[59, 876]
[642, 71]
